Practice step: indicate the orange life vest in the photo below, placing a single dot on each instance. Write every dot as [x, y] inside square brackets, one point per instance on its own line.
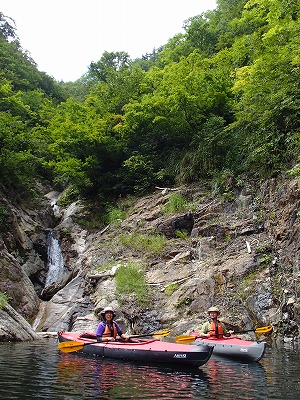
[216, 329]
[110, 332]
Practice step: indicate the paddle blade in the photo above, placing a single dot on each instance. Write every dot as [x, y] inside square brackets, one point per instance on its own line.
[71, 349]
[163, 333]
[71, 343]
[264, 329]
[68, 347]
[185, 339]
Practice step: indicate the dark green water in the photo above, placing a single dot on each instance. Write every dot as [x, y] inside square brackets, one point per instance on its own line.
[37, 370]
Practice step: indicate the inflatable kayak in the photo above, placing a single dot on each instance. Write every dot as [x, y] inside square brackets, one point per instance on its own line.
[146, 350]
[234, 347]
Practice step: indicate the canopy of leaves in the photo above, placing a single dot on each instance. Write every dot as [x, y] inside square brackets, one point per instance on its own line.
[222, 96]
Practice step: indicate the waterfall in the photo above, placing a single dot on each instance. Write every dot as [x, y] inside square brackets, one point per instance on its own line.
[55, 259]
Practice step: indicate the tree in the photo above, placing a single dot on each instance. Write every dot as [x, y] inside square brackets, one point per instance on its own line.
[105, 69]
[7, 31]
[266, 129]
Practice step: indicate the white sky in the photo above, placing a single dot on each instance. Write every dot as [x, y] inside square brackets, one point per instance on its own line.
[64, 36]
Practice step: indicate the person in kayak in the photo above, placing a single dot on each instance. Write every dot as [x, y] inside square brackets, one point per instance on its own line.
[214, 327]
[108, 329]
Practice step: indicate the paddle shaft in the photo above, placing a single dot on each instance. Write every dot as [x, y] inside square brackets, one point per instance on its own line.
[118, 340]
[248, 330]
[165, 333]
[188, 339]
[226, 335]
[264, 329]
[76, 345]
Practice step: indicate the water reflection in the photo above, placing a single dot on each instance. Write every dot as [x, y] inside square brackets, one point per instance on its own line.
[235, 379]
[121, 380]
[38, 370]
[282, 366]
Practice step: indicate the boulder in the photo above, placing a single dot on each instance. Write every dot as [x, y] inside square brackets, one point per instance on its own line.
[13, 327]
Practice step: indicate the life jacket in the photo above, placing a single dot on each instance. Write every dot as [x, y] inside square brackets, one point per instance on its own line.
[110, 332]
[216, 329]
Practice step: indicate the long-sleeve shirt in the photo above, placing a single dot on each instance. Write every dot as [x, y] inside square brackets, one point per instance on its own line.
[101, 328]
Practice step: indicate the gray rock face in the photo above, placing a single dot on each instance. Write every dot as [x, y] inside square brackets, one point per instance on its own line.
[13, 327]
[241, 255]
[15, 282]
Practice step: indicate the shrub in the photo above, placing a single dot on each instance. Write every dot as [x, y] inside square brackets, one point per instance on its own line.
[4, 299]
[170, 289]
[145, 243]
[176, 203]
[115, 216]
[130, 281]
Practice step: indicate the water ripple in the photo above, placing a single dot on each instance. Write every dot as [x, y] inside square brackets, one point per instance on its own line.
[38, 370]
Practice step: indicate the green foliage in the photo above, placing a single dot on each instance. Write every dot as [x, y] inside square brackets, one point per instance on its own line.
[65, 233]
[70, 172]
[267, 123]
[7, 31]
[295, 171]
[115, 216]
[130, 281]
[4, 299]
[185, 301]
[223, 184]
[220, 97]
[171, 288]
[23, 92]
[69, 195]
[208, 155]
[176, 203]
[201, 34]
[144, 243]
[181, 234]
[17, 67]
[140, 170]
[106, 266]
[264, 260]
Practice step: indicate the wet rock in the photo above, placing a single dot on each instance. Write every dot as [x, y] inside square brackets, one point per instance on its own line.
[13, 327]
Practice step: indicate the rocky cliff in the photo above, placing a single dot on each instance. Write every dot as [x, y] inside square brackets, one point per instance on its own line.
[239, 250]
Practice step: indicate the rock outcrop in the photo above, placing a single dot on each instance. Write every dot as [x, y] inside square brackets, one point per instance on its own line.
[13, 327]
[241, 254]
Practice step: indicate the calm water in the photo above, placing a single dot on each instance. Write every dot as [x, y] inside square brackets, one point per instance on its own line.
[37, 370]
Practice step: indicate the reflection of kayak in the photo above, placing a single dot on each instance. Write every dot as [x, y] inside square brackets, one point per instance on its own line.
[236, 348]
[146, 350]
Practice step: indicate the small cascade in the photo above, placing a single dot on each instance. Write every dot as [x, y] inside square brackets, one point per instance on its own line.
[55, 260]
[55, 207]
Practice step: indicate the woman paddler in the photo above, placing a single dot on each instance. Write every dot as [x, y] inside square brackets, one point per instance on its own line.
[108, 329]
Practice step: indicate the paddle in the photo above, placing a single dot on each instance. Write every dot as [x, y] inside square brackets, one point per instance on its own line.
[184, 339]
[68, 347]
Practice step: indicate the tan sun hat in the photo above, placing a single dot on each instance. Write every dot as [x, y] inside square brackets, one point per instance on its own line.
[107, 309]
[213, 309]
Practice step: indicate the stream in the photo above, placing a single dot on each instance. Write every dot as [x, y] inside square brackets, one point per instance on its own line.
[38, 370]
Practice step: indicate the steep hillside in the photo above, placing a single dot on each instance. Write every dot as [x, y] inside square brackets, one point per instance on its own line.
[164, 260]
